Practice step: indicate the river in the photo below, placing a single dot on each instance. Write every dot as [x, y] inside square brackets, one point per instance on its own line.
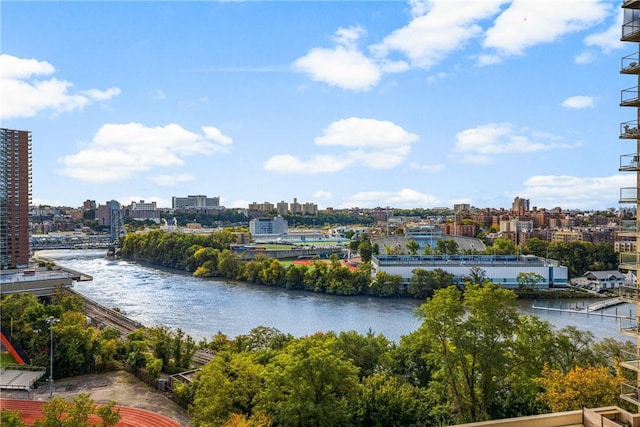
[203, 307]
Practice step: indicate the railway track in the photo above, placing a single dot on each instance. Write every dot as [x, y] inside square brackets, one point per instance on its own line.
[102, 316]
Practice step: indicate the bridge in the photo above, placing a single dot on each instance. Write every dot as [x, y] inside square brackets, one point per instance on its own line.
[70, 241]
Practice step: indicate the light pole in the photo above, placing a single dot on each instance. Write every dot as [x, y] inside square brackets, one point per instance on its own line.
[51, 320]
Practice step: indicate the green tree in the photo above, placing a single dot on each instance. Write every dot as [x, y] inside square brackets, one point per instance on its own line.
[365, 250]
[502, 246]
[10, 418]
[446, 247]
[390, 401]
[385, 285]
[537, 247]
[310, 383]
[228, 384]
[228, 264]
[109, 416]
[529, 280]
[370, 353]
[470, 338]
[413, 247]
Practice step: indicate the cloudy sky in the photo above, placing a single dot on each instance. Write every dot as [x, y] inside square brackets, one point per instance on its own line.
[423, 103]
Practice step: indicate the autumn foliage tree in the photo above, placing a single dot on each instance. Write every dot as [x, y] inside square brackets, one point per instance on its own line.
[589, 387]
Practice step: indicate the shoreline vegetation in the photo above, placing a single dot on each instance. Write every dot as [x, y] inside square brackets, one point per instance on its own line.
[211, 256]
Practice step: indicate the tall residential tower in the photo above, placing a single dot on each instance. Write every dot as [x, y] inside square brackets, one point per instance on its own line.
[15, 197]
[629, 229]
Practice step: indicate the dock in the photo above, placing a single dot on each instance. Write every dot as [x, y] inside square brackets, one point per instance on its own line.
[595, 309]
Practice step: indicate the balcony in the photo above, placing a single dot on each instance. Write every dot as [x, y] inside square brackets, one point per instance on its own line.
[629, 130]
[629, 163]
[631, 63]
[629, 97]
[629, 261]
[631, 4]
[628, 226]
[630, 393]
[629, 327]
[631, 31]
[629, 195]
[630, 360]
[629, 293]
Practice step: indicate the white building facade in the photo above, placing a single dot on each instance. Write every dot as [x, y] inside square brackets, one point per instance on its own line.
[503, 270]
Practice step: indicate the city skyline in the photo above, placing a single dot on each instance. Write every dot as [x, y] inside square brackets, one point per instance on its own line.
[345, 104]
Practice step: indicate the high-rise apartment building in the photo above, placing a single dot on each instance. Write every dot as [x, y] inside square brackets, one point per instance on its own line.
[15, 197]
[629, 228]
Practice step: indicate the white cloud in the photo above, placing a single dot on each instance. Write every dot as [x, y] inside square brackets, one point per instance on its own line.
[370, 143]
[348, 37]
[120, 151]
[341, 67]
[23, 95]
[585, 57]
[426, 167]
[527, 23]
[158, 94]
[322, 195]
[438, 28]
[405, 198]
[214, 134]
[486, 59]
[579, 102]
[169, 180]
[609, 39]
[572, 192]
[237, 204]
[20, 68]
[358, 132]
[436, 77]
[286, 164]
[481, 143]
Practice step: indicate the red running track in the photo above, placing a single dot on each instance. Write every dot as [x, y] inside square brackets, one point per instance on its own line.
[130, 417]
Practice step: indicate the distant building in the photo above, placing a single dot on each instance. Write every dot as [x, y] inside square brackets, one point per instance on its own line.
[105, 213]
[89, 204]
[282, 208]
[195, 202]
[295, 208]
[600, 280]
[268, 226]
[309, 208]
[15, 197]
[261, 207]
[142, 211]
[502, 270]
[520, 206]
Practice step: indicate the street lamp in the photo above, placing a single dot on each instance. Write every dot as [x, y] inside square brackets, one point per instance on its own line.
[51, 320]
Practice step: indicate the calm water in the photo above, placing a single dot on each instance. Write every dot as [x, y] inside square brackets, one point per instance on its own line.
[202, 307]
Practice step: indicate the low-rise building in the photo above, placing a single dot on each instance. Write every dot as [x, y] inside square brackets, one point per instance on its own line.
[503, 270]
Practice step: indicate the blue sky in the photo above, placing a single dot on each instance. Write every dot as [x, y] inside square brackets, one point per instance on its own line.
[345, 104]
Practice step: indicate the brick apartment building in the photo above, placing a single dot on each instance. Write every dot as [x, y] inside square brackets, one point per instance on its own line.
[15, 197]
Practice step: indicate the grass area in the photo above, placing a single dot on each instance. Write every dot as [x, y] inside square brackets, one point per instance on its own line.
[7, 359]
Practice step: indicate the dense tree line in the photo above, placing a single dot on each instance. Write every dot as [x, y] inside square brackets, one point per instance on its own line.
[578, 256]
[210, 256]
[81, 349]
